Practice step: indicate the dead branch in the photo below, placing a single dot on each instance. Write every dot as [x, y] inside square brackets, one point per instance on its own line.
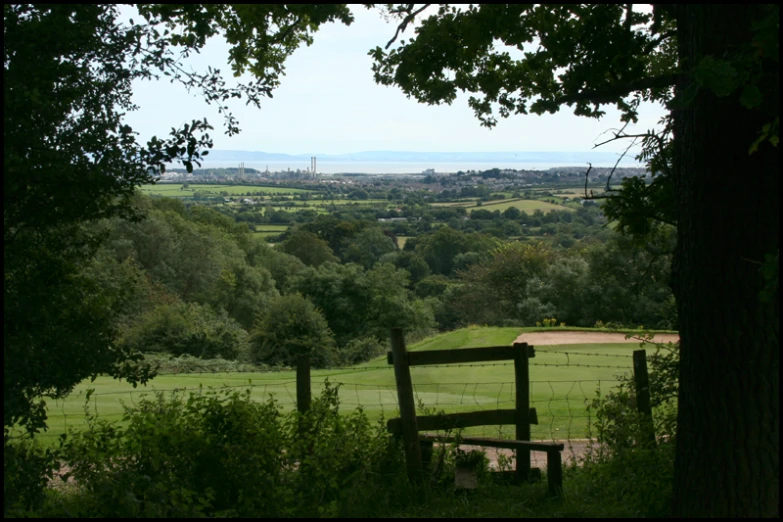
[589, 168]
[609, 179]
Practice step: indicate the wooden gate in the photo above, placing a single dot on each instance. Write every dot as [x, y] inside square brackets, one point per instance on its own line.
[522, 416]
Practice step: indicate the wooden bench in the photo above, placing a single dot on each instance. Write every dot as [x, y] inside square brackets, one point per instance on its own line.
[554, 465]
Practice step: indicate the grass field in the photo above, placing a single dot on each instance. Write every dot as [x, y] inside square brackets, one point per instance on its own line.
[350, 202]
[570, 192]
[271, 228]
[176, 190]
[563, 379]
[267, 233]
[525, 205]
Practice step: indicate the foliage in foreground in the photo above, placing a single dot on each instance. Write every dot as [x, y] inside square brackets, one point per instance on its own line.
[222, 454]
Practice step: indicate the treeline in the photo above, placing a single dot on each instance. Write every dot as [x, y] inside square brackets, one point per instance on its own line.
[563, 227]
[190, 280]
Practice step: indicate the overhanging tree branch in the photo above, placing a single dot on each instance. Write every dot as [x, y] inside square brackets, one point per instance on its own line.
[611, 93]
[408, 19]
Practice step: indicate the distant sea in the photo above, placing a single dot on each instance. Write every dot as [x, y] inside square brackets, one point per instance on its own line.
[400, 167]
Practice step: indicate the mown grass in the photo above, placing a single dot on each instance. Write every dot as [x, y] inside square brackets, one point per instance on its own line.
[563, 378]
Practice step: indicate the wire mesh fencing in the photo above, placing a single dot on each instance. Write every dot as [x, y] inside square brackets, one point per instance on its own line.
[563, 382]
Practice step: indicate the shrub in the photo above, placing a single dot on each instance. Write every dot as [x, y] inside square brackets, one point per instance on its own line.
[217, 452]
[361, 350]
[634, 483]
[289, 327]
[344, 461]
[168, 364]
[618, 423]
[620, 475]
[26, 472]
[223, 454]
[188, 328]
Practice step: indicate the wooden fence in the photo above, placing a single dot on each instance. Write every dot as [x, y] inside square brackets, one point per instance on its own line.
[408, 425]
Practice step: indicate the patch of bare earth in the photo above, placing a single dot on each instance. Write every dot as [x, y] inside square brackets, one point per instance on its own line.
[574, 450]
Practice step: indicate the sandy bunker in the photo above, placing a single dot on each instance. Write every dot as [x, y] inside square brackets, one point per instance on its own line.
[566, 337]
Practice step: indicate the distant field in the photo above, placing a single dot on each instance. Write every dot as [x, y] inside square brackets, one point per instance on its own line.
[350, 202]
[563, 378]
[271, 228]
[176, 190]
[525, 205]
[570, 191]
[456, 203]
[401, 240]
[266, 233]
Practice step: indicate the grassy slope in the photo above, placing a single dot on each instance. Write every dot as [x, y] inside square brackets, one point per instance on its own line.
[560, 384]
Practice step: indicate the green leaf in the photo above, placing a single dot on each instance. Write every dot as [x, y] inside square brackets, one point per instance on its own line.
[751, 96]
[717, 75]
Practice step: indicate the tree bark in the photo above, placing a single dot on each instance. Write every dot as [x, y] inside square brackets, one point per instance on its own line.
[727, 460]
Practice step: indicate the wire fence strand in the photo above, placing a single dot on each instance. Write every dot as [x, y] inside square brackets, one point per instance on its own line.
[562, 405]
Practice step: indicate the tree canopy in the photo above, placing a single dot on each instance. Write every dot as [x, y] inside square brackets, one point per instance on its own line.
[69, 157]
[716, 70]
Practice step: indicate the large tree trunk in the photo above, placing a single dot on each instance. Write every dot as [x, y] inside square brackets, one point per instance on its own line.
[727, 461]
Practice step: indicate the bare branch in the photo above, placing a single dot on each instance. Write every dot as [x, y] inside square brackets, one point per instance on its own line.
[620, 134]
[589, 168]
[408, 19]
[609, 179]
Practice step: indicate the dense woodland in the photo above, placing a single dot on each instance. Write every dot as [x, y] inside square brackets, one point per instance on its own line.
[196, 281]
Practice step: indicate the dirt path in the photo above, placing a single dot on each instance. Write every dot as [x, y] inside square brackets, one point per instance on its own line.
[574, 449]
[566, 337]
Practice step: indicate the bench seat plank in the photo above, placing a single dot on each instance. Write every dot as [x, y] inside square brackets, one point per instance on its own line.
[497, 443]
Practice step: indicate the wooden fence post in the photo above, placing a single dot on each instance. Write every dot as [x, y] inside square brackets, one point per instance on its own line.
[303, 387]
[410, 432]
[522, 383]
[643, 403]
[554, 473]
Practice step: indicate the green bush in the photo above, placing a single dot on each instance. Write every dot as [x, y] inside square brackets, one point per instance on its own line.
[347, 466]
[360, 350]
[621, 474]
[188, 328]
[223, 454]
[634, 483]
[26, 472]
[291, 326]
[210, 453]
[168, 364]
[618, 423]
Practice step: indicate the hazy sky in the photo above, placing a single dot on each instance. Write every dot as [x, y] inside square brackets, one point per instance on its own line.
[328, 103]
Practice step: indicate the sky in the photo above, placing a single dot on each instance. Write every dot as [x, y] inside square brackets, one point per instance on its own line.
[328, 103]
